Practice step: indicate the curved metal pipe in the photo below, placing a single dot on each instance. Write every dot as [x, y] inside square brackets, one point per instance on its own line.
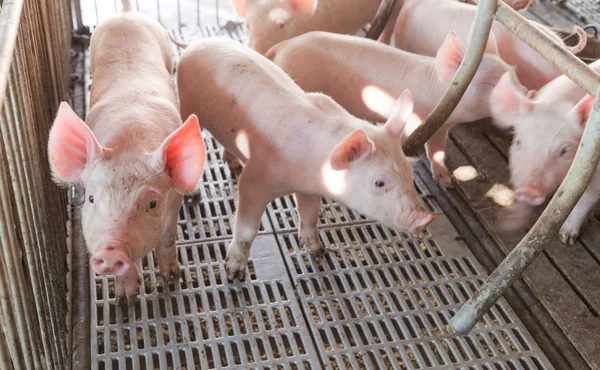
[551, 50]
[381, 19]
[9, 23]
[579, 175]
[479, 37]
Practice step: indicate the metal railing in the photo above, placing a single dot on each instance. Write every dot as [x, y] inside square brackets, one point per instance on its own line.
[34, 67]
[580, 172]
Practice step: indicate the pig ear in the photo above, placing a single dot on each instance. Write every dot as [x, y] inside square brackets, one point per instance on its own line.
[584, 109]
[404, 109]
[183, 155]
[240, 7]
[509, 99]
[449, 56]
[353, 147]
[304, 7]
[71, 146]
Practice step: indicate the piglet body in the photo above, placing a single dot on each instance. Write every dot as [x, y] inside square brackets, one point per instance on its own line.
[134, 156]
[272, 21]
[294, 142]
[365, 77]
[548, 126]
[441, 15]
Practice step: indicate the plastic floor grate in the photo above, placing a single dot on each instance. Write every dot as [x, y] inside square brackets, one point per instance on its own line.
[380, 300]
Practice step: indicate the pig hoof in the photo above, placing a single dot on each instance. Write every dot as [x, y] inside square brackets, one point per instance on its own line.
[234, 271]
[314, 247]
[172, 272]
[443, 176]
[568, 235]
[234, 164]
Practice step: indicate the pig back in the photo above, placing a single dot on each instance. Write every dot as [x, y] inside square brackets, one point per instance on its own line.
[233, 89]
[132, 90]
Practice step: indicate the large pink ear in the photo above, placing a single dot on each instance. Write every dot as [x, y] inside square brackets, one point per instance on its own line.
[404, 109]
[353, 147]
[584, 109]
[71, 146]
[449, 56]
[184, 155]
[240, 7]
[509, 99]
[304, 7]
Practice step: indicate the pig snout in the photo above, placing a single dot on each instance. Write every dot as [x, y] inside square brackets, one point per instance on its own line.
[420, 222]
[530, 194]
[111, 261]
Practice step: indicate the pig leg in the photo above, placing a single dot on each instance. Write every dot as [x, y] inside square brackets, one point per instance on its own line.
[436, 153]
[583, 209]
[253, 198]
[166, 252]
[127, 286]
[233, 162]
[308, 210]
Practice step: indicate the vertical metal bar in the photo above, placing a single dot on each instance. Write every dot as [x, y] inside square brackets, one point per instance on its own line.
[198, 13]
[179, 15]
[562, 203]
[78, 16]
[96, 7]
[381, 19]
[10, 14]
[479, 37]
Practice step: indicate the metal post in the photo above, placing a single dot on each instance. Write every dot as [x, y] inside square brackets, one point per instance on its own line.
[479, 37]
[579, 175]
[9, 23]
[381, 19]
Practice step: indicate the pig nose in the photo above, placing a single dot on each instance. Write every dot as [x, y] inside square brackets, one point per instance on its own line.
[530, 194]
[421, 223]
[111, 261]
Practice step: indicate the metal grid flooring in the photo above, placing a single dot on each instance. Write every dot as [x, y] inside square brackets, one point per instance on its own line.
[381, 300]
[587, 10]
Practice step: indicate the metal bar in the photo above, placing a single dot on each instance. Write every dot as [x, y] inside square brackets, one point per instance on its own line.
[479, 37]
[551, 50]
[381, 19]
[10, 13]
[562, 203]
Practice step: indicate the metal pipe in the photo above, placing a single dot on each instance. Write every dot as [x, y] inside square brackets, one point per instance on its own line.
[381, 19]
[10, 13]
[562, 203]
[479, 37]
[548, 48]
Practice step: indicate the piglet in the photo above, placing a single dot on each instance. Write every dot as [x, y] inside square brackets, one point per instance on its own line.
[272, 21]
[548, 126]
[532, 69]
[134, 156]
[363, 76]
[295, 142]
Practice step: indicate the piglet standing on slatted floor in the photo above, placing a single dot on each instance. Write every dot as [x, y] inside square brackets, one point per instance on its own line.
[362, 75]
[295, 142]
[134, 156]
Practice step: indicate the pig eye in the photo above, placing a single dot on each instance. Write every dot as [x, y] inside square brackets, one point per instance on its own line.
[564, 150]
[518, 142]
[152, 204]
[91, 199]
[280, 25]
[379, 183]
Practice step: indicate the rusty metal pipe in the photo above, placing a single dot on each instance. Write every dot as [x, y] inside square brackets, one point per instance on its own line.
[548, 48]
[381, 19]
[9, 24]
[562, 203]
[479, 37]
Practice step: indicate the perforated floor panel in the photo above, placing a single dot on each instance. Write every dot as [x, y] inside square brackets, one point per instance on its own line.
[380, 300]
[587, 10]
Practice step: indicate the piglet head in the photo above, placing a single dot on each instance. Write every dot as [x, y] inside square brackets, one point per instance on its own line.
[127, 194]
[272, 21]
[449, 58]
[546, 136]
[377, 176]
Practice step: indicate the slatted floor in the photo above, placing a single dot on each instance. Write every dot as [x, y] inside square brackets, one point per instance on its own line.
[381, 300]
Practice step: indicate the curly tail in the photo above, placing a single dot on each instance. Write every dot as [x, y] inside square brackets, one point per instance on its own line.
[179, 44]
